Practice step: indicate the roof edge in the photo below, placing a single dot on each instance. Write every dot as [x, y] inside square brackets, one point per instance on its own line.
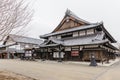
[111, 37]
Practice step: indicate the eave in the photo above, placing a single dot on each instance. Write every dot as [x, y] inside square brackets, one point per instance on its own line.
[109, 35]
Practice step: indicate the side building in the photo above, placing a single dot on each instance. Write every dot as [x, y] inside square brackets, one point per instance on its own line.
[77, 39]
[14, 46]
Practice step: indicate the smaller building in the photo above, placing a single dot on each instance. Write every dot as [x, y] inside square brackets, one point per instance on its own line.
[15, 46]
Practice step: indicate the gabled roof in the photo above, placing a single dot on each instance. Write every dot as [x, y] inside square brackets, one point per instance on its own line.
[69, 14]
[23, 39]
[86, 25]
[54, 40]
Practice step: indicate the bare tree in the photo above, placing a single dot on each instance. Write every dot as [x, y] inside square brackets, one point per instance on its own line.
[13, 14]
[119, 46]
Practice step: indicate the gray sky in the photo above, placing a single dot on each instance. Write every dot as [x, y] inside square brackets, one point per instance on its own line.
[49, 13]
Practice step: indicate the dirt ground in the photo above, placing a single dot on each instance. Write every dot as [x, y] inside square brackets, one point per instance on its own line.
[6, 75]
[53, 70]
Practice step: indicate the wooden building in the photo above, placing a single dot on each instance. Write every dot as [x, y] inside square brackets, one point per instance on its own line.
[14, 46]
[76, 39]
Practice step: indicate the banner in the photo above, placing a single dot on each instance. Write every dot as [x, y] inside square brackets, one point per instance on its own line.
[74, 53]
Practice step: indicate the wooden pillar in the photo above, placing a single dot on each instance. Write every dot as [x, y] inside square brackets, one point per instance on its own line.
[8, 55]
[108, 57]
[60, 60]
[51, 57]
[43, 54]
[47, 54]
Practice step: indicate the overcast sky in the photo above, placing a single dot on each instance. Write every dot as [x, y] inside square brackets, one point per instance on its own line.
[49, 13]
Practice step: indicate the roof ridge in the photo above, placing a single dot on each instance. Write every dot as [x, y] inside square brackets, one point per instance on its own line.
[22, 36]
[70, 13]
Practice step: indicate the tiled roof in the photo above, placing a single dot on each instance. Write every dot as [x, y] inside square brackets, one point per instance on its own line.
[23, 39]
[54, 40]
[92, 39]
[85, 40]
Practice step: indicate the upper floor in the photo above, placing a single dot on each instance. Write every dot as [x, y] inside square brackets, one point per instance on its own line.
[72, 26]
[78, 33]
[21, 42]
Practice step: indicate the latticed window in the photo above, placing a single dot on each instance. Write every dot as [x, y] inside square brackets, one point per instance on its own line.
[67, 35]
[82, 33]
[75, 34]
[90, 31]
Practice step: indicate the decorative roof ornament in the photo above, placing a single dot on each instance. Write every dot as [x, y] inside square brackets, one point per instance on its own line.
[67, 12]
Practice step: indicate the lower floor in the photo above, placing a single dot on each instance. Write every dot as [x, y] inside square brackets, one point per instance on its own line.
[73, 53]
[6, 55]
[24, 54]
[77, 53]
[83, 55]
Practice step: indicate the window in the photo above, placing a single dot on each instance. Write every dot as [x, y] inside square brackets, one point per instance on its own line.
[75, 34]
[58, 36]
[67, 35]
[75, 48]
[90, 31]
[82, 33]
[54, 36]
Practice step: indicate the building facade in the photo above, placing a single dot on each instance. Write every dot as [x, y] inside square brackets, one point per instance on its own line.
[15, 46]
[77, 39]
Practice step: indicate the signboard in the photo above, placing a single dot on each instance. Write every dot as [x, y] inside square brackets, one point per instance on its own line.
[74, 53]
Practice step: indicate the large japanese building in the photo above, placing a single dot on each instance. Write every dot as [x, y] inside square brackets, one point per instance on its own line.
[76, 39]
